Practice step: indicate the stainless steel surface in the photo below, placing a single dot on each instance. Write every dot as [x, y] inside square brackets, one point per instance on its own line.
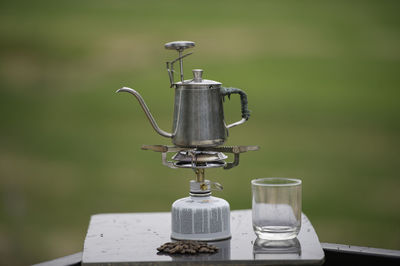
[198, 115]
[241, 121]
[191, 83]
[193, 163]
[197, 75]
[146, 111]
[170, 68]
[178, 46]
[226, 149]
[199, 156]
[132, 239]
[204, 165]
[235, 162]
[181, 64]
[236, 150]
[166, 162]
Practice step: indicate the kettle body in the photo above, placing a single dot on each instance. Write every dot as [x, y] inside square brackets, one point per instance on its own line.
[198, 114]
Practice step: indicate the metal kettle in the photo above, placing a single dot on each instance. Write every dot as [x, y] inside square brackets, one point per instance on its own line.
[198, 111]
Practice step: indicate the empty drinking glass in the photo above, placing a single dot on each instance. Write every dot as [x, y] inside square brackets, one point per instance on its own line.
[276, 207]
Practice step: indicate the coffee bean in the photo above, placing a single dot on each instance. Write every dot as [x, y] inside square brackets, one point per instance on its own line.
[203, 250]
[187, 247]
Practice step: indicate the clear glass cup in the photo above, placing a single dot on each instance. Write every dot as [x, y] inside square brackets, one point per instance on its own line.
[276, 249]
[276, 207]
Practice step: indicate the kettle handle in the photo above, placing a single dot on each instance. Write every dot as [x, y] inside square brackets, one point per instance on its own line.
[243, 102]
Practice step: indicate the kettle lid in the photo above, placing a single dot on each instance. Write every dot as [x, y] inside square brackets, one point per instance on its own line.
[198, 79]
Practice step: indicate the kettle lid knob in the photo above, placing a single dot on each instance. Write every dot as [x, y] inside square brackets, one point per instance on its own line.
[197, 75]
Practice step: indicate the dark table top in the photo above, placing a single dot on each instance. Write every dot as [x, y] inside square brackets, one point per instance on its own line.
[132, 238]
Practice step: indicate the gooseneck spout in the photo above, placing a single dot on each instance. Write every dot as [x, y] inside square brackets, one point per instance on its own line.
[146, 111]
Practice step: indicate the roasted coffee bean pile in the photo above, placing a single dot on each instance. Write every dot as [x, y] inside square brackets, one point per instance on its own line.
[187, 247]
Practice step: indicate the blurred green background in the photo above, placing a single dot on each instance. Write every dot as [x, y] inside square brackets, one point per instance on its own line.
[322, 80]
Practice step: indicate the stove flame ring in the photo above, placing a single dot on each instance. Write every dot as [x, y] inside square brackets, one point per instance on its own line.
[200, 165]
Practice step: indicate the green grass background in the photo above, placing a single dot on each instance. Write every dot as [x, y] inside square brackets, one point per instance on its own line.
[322, 78]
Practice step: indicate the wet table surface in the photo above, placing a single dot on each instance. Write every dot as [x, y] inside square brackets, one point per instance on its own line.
[132, 239]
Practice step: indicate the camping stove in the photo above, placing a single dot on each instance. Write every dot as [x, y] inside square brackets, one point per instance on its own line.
[200, 216]
[198, 131]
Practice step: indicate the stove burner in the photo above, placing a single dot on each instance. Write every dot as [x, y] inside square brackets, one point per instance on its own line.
[214, 164]
[200, 157]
